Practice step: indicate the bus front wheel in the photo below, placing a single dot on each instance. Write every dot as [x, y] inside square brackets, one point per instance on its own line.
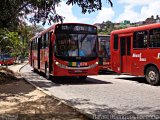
[152, 75]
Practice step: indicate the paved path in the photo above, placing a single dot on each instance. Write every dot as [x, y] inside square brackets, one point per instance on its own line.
[103, 94]
[17, 67]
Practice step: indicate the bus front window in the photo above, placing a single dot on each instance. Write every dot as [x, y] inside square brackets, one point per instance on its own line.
[104, 47]
[76, 45]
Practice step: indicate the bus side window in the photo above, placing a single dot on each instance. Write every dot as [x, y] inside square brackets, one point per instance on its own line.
[154, 38]
[32, 44]
[115, 42]
[140, 39]
[36, 44]
[47, 40]
[42, 43]
[39, 42]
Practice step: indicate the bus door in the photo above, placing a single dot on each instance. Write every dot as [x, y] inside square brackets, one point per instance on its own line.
[125, 52]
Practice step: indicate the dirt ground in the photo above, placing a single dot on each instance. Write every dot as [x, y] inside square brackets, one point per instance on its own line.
[21, 101]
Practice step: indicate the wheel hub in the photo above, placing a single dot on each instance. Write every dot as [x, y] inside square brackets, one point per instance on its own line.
[152, 75]
[47, 72]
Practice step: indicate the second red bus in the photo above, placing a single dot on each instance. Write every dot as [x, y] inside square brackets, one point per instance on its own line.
[136, 51]
[104, 52]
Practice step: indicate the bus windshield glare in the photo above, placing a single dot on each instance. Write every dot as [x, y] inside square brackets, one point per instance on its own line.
[76, 45]
[104, 46]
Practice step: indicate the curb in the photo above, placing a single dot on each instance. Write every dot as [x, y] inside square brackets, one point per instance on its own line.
[22, 67]
[44, 91]
[89, 116]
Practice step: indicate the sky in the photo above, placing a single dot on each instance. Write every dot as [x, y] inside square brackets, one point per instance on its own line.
[133, 10]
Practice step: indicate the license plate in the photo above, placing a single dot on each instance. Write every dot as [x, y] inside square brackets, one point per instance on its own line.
[78, 71]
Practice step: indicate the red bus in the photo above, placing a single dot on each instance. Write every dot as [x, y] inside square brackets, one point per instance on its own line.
[6, 59]
[104, 52]
[67, 49]
[136, 51]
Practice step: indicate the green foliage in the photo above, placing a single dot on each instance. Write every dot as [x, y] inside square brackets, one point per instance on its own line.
[3, 40]
[15, 44]
[25, 34]
[12, 12]
[106, 28]
[88, 5]
[2, 34]
[14, 34]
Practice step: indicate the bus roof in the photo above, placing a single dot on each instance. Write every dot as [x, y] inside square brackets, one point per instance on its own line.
[44, 31]
[53, 27]
[138, 28]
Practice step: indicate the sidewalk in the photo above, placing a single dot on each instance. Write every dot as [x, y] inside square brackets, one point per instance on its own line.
[21, 101]
[16, 67]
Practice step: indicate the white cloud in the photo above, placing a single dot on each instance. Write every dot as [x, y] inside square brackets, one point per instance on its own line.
[128, 14]
[147, 8]
[151, 9]
[66, 11]
[104, 15]
[136, 2]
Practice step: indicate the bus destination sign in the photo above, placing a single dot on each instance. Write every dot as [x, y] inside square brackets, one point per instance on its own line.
[76, 28]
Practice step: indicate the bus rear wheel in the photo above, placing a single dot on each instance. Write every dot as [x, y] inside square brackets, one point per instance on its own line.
[82, 77]
[152, 75]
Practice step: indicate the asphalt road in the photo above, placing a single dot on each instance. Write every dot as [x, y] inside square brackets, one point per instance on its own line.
[104, 94]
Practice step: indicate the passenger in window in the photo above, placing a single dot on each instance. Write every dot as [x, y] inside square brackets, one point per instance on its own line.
[81, 53]
[73, 51]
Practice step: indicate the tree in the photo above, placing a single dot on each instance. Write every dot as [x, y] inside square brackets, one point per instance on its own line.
[25, 34]
[88, 5]
[2, 39]
[108, 26]
[14, 11]
[16, 43]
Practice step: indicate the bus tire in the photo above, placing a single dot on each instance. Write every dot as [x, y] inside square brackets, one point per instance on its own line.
[152, 75]
[82, 77]
[34, 70]
[47, 73]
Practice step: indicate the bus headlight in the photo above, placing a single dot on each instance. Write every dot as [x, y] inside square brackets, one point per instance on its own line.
[60, 65]
[57, 63]
[96, 63]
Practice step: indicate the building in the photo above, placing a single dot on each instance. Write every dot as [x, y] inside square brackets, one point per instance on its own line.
[99, 25]
[127, 23]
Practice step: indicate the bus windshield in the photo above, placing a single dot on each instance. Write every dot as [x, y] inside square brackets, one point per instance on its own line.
[76, 45]
[104, 46]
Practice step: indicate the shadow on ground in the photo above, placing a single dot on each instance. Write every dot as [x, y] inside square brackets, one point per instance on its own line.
[45, 108]
[7, 76]
[76, 81]
[103, 111]
[11, 84]
[107, 73]
[40, 80]
[136, 79]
